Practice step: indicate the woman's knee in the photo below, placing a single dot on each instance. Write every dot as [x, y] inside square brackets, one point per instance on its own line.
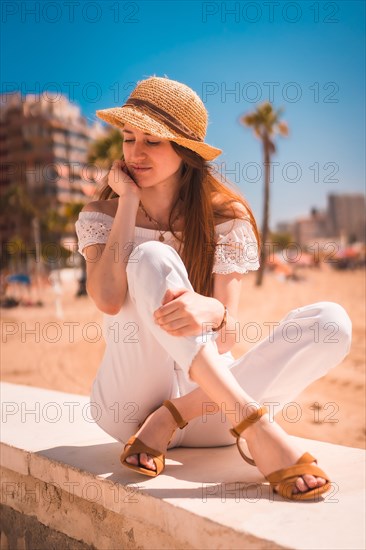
[156, 265]
[334, 319]
[329, 323]
[152, 260]
[331, 312]
[151, 253]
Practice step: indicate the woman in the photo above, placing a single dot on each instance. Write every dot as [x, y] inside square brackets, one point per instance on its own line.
[167, 247]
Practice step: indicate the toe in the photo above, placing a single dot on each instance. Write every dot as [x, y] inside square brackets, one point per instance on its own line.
[301, 485]
[320, 481]
[310, 481]
[132, 459]
[147, 461]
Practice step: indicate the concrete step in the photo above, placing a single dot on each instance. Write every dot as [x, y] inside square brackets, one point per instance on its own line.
[59, 467]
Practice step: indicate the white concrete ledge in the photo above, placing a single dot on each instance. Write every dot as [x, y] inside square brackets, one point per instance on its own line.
[63, 469]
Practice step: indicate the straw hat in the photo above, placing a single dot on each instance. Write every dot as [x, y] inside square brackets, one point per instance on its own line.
[167, 109]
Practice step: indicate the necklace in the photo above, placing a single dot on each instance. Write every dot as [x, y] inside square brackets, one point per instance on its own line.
[162, 233]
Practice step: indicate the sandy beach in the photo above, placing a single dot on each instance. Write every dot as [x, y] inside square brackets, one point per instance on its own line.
[60, 348]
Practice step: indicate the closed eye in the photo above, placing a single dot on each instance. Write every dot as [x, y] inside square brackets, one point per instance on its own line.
[148, 142]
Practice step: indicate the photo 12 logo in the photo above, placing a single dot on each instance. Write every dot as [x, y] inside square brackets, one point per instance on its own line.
[70, 11]
[271, 12]
[252, 92]
[54, 92]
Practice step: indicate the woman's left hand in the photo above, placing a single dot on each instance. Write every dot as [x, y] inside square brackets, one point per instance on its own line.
[187, 313]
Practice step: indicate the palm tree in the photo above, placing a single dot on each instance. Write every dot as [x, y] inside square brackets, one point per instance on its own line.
[265, 123]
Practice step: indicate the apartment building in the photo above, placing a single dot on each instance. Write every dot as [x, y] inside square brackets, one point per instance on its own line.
[43, 144]
[44, 141]
[346, 214]
[343, 222]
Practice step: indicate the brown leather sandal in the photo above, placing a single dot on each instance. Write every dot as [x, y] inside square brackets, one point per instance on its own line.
[283, 481]
[136, 446]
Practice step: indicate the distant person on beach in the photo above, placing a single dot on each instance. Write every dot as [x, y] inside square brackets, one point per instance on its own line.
[167, 247]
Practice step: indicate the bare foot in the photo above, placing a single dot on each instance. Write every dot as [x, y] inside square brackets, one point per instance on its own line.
[155, 433]
[272, 449]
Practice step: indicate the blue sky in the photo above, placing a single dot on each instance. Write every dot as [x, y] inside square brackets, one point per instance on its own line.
[311, 55]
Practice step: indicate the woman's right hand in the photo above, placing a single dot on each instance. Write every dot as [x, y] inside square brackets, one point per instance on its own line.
[121, 182]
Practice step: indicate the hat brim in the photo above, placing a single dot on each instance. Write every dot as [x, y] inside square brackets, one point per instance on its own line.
[120, 115]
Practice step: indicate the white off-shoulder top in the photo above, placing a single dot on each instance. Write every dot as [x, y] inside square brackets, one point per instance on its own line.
[236, 249]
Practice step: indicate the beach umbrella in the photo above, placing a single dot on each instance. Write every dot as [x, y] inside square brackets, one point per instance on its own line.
[347, 252]
[21, 278]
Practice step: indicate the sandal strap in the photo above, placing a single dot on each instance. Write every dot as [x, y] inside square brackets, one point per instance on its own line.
[243, 425]
[176, 414]
[137, 447]
[248, 421]
[283, 481]
[301, 467]
[246, 458]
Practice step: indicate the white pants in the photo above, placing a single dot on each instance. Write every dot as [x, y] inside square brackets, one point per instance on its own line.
[137, 373]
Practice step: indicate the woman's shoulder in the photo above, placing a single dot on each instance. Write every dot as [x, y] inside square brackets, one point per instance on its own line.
[225, 212]
[107, 207]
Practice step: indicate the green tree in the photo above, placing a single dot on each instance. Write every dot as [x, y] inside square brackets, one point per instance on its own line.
[280, 240]
[101, 153]
[107, 149]
[71, 211]
[265, 124]
[17, 210]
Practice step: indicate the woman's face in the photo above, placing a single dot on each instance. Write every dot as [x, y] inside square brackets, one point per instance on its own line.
[149, 159]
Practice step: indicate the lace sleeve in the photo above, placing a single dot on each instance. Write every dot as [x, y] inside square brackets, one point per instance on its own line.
[92, 228]
[237, 249]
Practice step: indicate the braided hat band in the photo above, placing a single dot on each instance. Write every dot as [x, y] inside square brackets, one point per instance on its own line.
[167, 109]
